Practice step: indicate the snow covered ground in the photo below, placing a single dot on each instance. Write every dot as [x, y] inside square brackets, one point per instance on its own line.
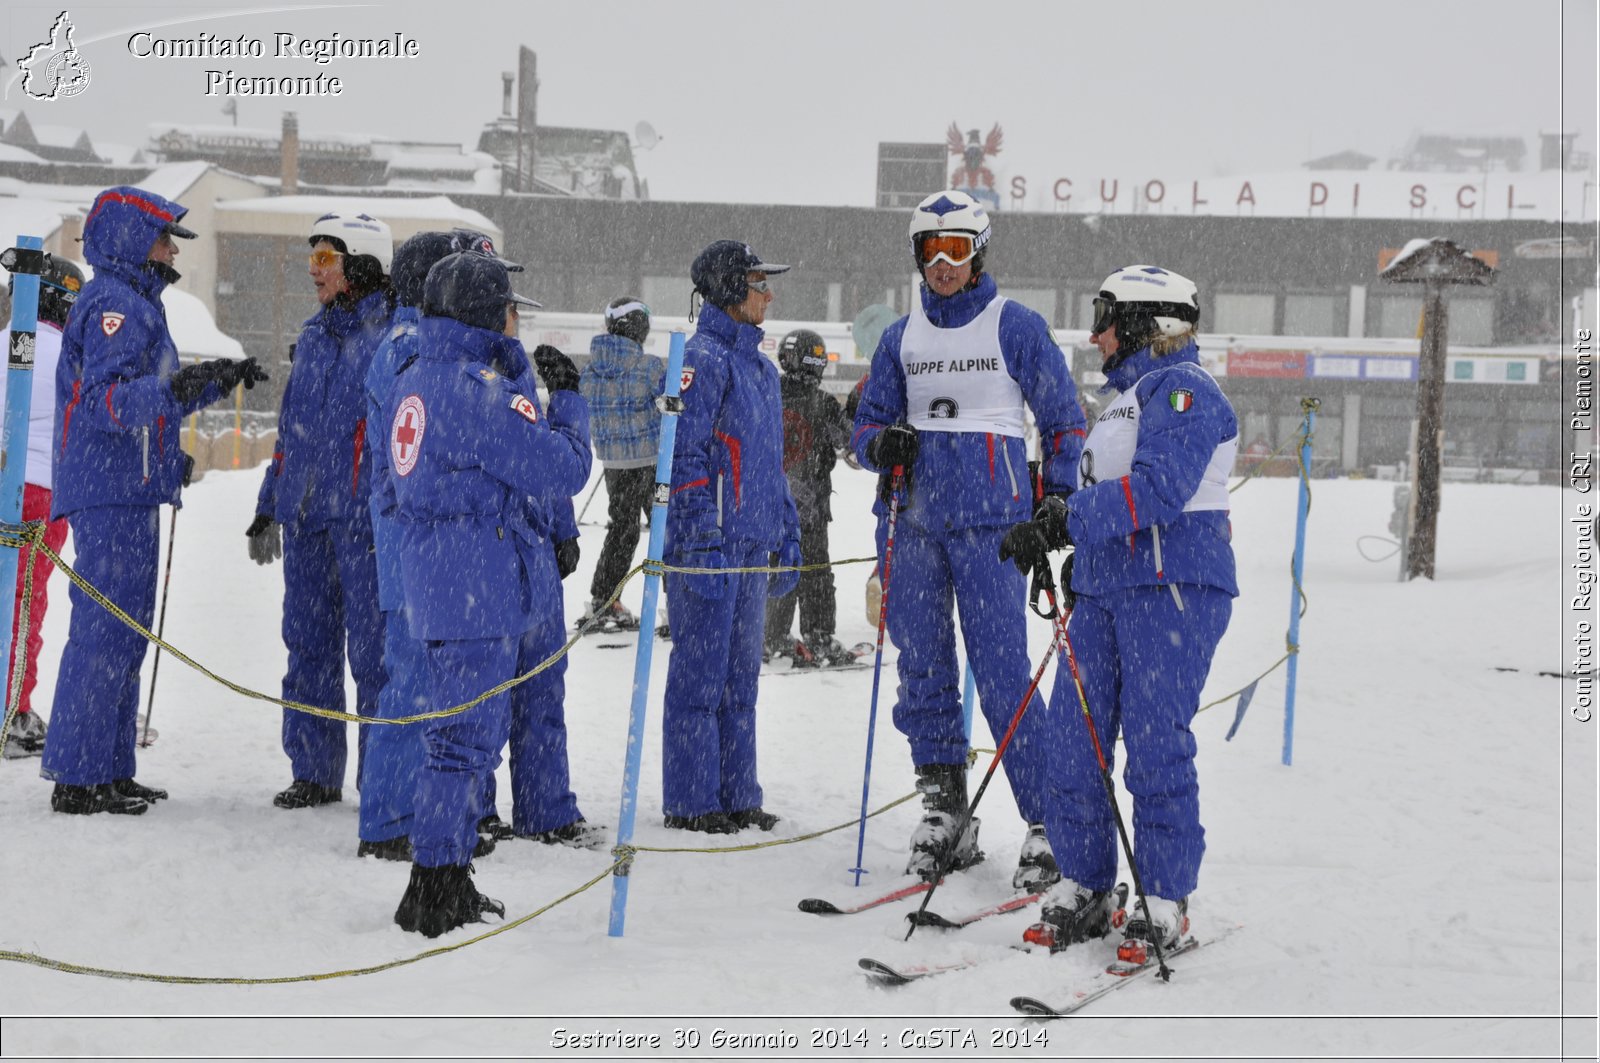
[1399, 888]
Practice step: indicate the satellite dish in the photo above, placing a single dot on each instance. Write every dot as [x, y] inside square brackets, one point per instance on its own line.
[646, 135]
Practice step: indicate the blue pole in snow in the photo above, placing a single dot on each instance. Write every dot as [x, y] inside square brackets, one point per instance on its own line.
[1304, 508]
[969, 695]
[26, 262]
[670, 406]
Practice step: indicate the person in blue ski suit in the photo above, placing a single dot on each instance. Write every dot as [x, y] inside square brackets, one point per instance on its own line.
[730, 509]
[120, 401]
[313, 505]
[945, 401]
[1153, 576]
[468, 449]
[547, 809]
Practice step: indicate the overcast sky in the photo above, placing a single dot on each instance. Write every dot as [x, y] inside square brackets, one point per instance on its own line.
[779, 101]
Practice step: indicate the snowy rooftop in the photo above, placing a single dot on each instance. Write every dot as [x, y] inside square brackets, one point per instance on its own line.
[430, 208]
[30, 217]
[60, 136]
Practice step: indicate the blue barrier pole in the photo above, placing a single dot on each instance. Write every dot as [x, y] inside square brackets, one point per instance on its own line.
[26, 262]
[670, 406]
[1304, 508]
[969, 697]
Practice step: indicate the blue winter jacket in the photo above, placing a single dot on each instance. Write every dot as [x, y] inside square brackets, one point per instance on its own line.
[117, 421]
[396, 354]
[319, 472]
[1132, 531]
[978, 479]
[728, 484]
[468, 447]
[397, 351]
[621, 383]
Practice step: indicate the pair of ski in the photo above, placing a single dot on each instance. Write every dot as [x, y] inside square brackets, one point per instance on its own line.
[1114, 977]
[818, 906]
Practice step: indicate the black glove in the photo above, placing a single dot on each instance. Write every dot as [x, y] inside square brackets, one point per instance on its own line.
[266, 539]
[191, 381]
[249, 373]
[1068, 599]
[188, 468]
[555, 369]
[1027, 543]
[567, 556]
[895, 445]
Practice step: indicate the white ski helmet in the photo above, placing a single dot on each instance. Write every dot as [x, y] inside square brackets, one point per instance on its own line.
[950, 211]
[1142, 302]
[358, 234]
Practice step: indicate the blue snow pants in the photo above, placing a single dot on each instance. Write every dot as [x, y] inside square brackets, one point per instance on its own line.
[930, 575]
[541, 787]
[708, 721]
[393, 754]
[330, 601]
[460, 752]
[1143, 663]
[95, 714]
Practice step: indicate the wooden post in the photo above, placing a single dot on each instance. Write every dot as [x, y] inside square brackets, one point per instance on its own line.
[1430, 430]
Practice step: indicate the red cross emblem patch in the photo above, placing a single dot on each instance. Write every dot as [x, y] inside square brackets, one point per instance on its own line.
[526, 407]
[405, 434]
[685, 379]
[110, 321]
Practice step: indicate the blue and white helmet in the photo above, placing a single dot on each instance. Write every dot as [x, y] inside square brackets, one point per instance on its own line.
[358, 234]
[949, 211]
[1144, 301]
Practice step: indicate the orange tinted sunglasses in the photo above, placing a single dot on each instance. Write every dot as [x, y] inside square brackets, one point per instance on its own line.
[955, 248]
[323, 257]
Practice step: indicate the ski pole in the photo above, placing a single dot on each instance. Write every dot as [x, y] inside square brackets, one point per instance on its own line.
[161, 626]
[896, 483]
[972, 809]
[586, 501]
[1071, 658]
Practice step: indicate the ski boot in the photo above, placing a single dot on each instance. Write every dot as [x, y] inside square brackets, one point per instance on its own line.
[1166, 925]
[825, 651]
[753, 817]
[1072, 913]
[439, 899]
[1036, 867]
[709, 822]
[579, 834]
[26, 737]
[303, 794]
[88, 800]
[601, 618]
[129, 788]
[934, 844]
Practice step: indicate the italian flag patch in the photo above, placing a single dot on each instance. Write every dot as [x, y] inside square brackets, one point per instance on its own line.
[1181, 399]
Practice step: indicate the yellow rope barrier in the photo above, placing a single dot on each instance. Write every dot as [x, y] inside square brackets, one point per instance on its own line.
[29, 536]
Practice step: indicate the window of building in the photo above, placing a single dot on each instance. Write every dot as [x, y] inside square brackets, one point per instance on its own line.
[1312, 315]
[1042, 300]
[1239, 314]
[1398, 317]
[667, 295]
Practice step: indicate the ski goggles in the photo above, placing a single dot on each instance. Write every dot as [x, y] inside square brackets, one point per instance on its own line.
[955, 248]
[764, 287]
[323, 257]
[1105, 313]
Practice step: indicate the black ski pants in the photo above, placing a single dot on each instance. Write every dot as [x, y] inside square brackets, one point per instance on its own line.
[814, 594]
[627, 495]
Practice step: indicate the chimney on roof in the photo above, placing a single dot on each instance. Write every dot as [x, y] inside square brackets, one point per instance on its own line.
[290, 151]
[507, 79]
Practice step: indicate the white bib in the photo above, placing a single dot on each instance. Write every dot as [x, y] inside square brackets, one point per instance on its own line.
[1108, 454]
[956, 379]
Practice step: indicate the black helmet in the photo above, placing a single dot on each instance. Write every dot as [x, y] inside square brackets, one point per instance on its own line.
[59, 285]
[629, 318]
[802, 353]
